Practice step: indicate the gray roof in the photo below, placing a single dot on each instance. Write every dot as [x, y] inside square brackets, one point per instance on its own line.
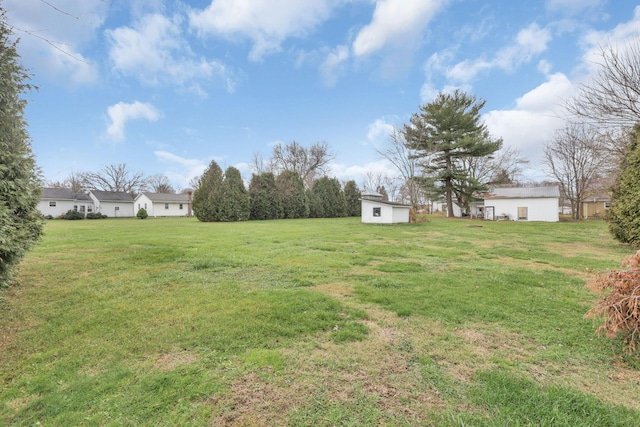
[62, 194]
[167, 198]
[112, 196]
[386, 202]
[523, 192]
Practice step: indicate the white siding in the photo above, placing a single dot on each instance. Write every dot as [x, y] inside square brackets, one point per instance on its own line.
[142, 201]
[124, 209]
[389, 214]
[61, 207]
[538, 209]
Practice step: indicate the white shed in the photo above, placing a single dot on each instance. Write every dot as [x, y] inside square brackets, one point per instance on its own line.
[523, 204]
[377, 211]
[113, 204]
[163, 204]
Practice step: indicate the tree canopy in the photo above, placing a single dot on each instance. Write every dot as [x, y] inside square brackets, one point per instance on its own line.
[20, 224]
[446, 131]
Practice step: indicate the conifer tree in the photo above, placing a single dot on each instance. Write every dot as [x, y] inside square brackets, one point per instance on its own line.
[234, 198]
[206, 198]
[329, 198]
[352, 199]
[20, 222]
[264, 199]
[292, 195]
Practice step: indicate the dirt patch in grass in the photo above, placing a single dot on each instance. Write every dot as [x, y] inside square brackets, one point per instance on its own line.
[532, 265]
[170, 361]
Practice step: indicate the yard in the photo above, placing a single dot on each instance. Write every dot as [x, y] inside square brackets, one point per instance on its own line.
[313, 323]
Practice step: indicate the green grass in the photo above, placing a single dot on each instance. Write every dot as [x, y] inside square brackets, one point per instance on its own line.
[312, 322]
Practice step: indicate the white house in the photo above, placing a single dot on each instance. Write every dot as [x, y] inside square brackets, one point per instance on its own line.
[160, 204]
[377, 211]
[113, 204]
[58, 201]
[523, 204]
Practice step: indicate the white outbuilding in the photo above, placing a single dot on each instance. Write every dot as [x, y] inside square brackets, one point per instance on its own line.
[378, 211]
[164, 204]
[523, 204]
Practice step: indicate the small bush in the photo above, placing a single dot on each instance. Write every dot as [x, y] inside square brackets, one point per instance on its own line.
[620, 306]
[142, 213]
[71, 214]
[95, 215]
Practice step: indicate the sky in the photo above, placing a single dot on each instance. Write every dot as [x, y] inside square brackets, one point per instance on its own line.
[166, 87]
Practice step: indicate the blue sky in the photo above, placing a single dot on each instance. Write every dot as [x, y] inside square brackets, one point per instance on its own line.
[167, 86]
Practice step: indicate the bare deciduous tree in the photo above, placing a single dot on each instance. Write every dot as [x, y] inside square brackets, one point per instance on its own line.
[159, 183]
[306, 162]
[612, 97]
[575, 157]
[404, 160]
[116, 178]
[258, 165]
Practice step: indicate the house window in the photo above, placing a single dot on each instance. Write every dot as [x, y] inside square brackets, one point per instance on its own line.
[75, 208]
[180, 205]
[117, 208]
[166, 205]
[52, 204]
[145, 206]
[82, 207]
[523, 213]
[89, 209]
[607, 205]
[138, 206]
[377, 211]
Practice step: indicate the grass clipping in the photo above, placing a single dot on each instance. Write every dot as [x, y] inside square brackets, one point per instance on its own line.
[621, 306]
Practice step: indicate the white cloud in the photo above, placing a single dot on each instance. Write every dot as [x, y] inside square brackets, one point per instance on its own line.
[333, 64]
[266, 23]
[155, 52]
[182, 170]
[572, 6]
[379, 131]
[52, 41]
[535, 118]
[121, 113]
[529, 42]
[358, 173]
[396, 23]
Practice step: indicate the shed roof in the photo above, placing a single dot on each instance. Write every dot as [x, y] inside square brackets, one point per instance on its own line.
[385, 202]
[523, 192]
[62, 194]
[167, 197]
[112, 196]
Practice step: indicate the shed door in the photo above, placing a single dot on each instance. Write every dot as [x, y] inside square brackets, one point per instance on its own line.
[522, 213]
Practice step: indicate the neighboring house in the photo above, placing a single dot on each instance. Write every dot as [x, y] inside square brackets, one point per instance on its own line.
[161, 204]
[112, 204]
[523, 204]
[58, 201]
[377, 211]
[595, 207]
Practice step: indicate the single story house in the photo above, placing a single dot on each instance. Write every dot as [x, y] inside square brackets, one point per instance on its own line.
[523, 204]
[595, 207]
[161, 204]
[378, 211]
[58, 201]
[113, 204]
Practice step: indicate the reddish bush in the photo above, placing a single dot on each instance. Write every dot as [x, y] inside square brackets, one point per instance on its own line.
[620, 301]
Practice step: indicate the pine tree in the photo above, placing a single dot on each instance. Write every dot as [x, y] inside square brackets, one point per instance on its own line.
[206, 198]
[328, 198]
[292, 195]
[20, 222]
[234, 198]
[624, 215]
[352, 199]
[264, 199]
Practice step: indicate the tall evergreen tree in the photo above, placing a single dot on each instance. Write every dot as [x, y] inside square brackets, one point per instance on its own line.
[234, 198]
[292, 195]
[447, 130]
[624, 215]
[327, 193]
[352, 199]
[264, 199]
[206, 198]
[20, 223]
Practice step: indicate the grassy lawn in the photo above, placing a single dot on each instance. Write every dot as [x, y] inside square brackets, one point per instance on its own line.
[313, 323]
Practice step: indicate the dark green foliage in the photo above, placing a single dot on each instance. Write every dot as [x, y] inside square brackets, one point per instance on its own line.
[446, 131]
[352, 199]
[72, 215]
[624, 215]
[327, 199]
[234, 198]
[207, 197]
[292, 195]
[95, 215]
[20, 220]
[142, 213]
[265, 201]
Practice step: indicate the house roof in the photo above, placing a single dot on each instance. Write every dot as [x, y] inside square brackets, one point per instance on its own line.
[62, 194]
[384, 202]
[112, 196]
[167, 198]
[523, 192]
